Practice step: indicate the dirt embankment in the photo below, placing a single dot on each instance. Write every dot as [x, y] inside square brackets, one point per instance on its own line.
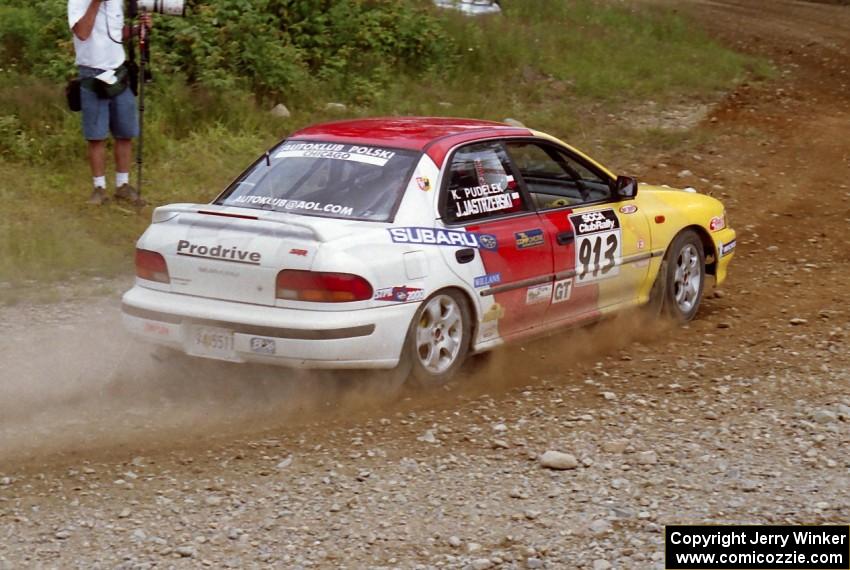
[743, 416]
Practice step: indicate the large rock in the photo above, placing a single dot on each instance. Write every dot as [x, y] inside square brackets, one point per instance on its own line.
[558, 460]
[280, 110]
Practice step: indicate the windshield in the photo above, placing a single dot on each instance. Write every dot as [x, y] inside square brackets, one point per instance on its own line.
[333, 180]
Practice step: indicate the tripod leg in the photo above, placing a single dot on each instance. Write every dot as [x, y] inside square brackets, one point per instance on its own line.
[141, 84]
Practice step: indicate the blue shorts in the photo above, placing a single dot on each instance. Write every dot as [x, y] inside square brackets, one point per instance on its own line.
[117, 115]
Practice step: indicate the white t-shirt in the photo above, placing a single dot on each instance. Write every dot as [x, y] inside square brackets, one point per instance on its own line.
[103, 49]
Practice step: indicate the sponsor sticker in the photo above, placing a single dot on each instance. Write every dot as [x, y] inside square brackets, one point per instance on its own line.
[529, 238]
[353, 153]
[487, 280]
[402, 294]
[538, 294]
[218, 252]
[562, 291]
[641, 243]
[628, 209]
[301, 252]
[727, 248]
[424, 183]
[262, 345]
[439, 236]
[494, 313]
[488, 241]
[302, 205]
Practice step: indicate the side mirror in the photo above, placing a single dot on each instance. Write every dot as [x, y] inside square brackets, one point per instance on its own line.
[625, 187]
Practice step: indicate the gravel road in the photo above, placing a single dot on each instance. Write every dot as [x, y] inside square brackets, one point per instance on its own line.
[568, 452]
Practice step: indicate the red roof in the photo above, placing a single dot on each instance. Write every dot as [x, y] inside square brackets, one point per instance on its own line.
[434, 135]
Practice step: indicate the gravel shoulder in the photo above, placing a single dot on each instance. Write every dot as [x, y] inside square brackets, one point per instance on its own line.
[741, 417]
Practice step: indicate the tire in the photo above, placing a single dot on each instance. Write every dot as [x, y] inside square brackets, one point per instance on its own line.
[678, 289]
[438, 339]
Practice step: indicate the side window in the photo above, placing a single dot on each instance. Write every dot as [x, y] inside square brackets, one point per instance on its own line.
[481, 185]
[555, 179]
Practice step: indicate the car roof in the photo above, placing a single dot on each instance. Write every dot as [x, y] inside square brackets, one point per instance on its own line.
[434, 135]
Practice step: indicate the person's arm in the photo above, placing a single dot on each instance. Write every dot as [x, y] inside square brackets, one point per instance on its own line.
[144, 20]
[84, 26]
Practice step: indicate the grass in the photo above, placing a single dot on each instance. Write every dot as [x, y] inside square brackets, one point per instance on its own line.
[562, 66]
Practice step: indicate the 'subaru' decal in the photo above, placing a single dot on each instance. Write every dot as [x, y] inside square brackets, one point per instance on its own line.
[439, 236]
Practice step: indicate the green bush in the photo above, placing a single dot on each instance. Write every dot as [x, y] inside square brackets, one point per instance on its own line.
[266, 47]
[561, 65]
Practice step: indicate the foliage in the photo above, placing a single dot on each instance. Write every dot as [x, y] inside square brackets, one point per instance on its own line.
[266, 47]
[566, 66]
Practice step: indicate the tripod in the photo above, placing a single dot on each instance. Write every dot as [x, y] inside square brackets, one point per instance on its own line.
[144, 76]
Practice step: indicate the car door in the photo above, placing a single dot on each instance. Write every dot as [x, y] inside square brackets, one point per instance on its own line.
[597, 241]
[513, 277]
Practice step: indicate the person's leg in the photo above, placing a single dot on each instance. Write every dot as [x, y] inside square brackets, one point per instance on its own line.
[124, 124]
[123, 158]
[95, 115]
[97, 158]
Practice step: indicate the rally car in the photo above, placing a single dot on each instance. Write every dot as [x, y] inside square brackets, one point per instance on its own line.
[410, 243]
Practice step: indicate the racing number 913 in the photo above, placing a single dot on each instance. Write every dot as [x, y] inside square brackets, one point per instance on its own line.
[590, 255]
[598, 244]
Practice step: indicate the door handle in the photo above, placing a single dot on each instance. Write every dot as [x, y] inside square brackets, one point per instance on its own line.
[465, 255]
[565, 238]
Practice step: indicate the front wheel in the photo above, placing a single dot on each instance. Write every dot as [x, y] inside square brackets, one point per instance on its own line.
[681, 279]
[438, 341]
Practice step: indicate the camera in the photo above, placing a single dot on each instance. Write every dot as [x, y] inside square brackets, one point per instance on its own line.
[168, 7]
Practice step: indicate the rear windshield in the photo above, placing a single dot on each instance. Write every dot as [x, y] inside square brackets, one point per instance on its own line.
[332, 180]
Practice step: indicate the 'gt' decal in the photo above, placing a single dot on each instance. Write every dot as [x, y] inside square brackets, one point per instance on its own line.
[562, 291]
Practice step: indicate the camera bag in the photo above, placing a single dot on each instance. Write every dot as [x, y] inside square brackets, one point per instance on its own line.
[72, 95]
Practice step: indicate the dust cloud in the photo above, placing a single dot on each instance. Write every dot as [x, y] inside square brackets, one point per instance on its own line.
[80, 382]
[72, 381]
[555, 357]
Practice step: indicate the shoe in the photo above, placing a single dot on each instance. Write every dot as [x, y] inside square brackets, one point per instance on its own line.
[129, 194]
[99, 197]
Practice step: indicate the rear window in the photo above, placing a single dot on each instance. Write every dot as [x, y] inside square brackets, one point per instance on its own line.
[333, 180]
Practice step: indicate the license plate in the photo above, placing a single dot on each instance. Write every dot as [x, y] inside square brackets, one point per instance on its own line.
[211, 342]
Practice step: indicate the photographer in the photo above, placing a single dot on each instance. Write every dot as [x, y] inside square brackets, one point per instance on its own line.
[108, 104]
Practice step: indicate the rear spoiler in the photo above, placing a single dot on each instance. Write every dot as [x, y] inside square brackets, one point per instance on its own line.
[169, 212]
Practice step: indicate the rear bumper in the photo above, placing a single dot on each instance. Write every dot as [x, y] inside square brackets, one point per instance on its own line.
[366, 338]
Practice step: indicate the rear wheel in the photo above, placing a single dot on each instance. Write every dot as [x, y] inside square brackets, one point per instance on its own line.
[678, 289]
[438, 341]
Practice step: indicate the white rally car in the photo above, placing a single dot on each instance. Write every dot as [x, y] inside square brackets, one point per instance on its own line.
[407, 243]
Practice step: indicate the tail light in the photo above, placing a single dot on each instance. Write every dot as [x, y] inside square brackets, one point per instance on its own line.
[151, 266]
[297, 285]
